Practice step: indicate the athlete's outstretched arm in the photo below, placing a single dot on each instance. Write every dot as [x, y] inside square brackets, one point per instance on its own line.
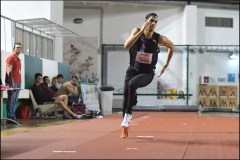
[166, 42]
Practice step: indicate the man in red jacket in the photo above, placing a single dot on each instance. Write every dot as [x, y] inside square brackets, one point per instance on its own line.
[13, 79]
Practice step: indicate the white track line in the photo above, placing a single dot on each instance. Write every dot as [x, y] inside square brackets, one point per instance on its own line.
[64, 151]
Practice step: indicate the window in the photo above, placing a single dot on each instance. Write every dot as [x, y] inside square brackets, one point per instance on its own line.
[19, 36]
[35, 44]
[50, 48]
[39, 52]
[26, 42]
[44, 48]
[218, 22]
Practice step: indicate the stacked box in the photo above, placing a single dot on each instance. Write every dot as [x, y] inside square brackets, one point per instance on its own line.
[218, 96]
[223, 96]
[232, 96]
[208, 96]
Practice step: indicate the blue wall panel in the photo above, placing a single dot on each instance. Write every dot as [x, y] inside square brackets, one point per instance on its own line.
[64, 69]
[32, 65]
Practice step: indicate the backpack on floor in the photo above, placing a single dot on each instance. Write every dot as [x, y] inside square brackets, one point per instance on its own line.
[23, 112]
[78, 108]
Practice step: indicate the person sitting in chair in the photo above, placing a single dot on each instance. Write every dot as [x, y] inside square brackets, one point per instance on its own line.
[42, 93]
[70, 88]
[53, 86]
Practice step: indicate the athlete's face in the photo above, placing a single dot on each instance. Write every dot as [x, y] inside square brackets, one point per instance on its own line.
[152, 23]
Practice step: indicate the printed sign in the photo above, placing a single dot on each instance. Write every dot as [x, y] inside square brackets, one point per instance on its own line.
[222, 80]
[206, 79]
[90, 96]
[231, 77]
[143, 57]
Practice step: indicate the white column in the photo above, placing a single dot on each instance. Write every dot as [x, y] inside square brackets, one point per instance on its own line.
[56, 16]
[190, 25]
[190, 38]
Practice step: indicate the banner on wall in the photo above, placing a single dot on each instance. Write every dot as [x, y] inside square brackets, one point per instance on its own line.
[90, 96]
[221, 80]
[81, 54]
[231, 77]
[204, 79]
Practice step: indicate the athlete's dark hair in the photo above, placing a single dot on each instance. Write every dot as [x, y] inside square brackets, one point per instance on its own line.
[151, 14]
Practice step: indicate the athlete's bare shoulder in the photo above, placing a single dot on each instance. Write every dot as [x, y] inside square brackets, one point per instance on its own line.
[163, 40]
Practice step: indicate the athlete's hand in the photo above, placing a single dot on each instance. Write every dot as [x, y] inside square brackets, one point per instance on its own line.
[162, 71]
[145, 24]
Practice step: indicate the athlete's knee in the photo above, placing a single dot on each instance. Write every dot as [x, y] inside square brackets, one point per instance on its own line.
[132, 86]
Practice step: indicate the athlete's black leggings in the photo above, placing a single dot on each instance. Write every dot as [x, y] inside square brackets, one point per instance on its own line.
[133, 81]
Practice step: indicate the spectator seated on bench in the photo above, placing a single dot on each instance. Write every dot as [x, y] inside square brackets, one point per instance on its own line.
[46, 108]
[43, 94]
[71, 89]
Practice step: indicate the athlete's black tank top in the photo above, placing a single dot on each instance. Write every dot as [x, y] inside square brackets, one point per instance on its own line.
[148, 46]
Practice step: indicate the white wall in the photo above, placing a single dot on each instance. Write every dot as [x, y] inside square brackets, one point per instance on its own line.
[56, 12]
[6, 35]
[217, 35]
[17, 10]
[47, 70]
[118, 22]
[182, 25]
[91, 22]
[51, 10]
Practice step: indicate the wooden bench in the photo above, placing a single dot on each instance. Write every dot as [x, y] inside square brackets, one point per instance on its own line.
[46, 107]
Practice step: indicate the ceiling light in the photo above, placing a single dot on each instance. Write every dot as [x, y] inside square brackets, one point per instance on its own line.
[201, 50]
[78, 20]
[232, 56]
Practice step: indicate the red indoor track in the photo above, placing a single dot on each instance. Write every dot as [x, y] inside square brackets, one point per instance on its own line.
[152, 135]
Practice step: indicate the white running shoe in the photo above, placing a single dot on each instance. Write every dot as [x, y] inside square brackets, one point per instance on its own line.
[126, 120]
[125, 125]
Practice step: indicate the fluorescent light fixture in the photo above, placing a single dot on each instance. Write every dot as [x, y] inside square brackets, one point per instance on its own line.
[232, 56]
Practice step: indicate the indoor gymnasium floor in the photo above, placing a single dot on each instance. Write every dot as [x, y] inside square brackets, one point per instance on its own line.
[152, 135]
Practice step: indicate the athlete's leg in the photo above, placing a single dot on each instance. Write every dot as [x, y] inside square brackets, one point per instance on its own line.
[138, 81]
[134, 83]
[130, 73]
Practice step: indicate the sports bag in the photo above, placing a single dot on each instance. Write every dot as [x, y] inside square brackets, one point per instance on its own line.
[78, 108]
[23, 112]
